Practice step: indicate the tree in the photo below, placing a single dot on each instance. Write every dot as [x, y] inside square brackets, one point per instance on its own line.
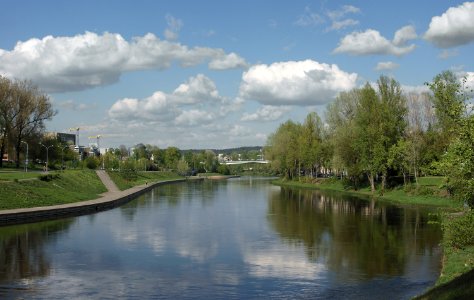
[171, 157]
[282, 149]
[34, 108]
[310, 143]
[183, 167]
[457, 120]
[369, 136]
[393, 122]
[340, 116]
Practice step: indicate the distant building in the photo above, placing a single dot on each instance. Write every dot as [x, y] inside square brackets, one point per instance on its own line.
[67, 138]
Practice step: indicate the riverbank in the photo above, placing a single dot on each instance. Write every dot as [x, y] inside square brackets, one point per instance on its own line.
[458, 231]
[110, 197]
[398, 195]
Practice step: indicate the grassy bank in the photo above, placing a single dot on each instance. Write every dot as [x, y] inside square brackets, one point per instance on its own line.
[425, 194]
[125, 180]
[57, 188]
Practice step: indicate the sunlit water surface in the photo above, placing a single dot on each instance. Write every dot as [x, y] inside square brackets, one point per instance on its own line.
[242, 238]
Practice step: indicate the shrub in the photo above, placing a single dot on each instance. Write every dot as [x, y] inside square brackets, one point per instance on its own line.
[92, 162]
[459, 230]
[48, 177]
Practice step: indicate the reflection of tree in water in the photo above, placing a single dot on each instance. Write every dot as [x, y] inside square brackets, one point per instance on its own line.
[351, 234]
[22, 249]
[172, 195]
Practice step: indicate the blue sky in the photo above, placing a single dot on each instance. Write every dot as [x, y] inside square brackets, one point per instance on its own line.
[220, 74]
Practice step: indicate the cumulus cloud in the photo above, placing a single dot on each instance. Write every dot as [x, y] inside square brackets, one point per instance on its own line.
[229, 61]
[197, 89]
[59, 64]
[194, 117]
[403, 35]
[295, 83]
[453, 28]
[195, 102]
[386, 66]
[266, 113]
[372, 42]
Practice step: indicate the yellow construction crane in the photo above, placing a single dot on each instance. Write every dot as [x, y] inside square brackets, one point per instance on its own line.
[98, 139]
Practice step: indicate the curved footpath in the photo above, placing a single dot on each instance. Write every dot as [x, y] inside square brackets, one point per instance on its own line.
[108, 200]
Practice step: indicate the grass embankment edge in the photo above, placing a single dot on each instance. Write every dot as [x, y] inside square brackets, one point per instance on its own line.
[125, 181]
[53, 188]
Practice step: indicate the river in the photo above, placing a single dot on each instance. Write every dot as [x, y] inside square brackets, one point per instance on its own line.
[237, 239]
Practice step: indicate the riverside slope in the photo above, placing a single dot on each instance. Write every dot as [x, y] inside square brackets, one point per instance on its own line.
[108, 200]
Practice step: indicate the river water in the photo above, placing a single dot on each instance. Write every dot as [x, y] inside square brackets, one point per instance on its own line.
[237, 239]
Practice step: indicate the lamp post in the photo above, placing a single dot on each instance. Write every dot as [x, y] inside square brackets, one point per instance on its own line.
[26, 157]
[47, 155]
[62, 156]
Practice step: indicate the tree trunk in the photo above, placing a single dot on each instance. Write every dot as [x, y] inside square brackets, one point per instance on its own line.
[384, 182]
[372, 182]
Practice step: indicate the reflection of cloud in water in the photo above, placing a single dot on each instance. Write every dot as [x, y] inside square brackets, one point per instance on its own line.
[196, 250]
[225, 275]
[157, 241]
[282, 262]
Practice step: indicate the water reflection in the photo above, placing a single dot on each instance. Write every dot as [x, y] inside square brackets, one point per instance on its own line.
[22, 249]
[241, 238]
[356, 239]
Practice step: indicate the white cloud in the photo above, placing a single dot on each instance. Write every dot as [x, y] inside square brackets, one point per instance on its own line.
[453, 28]
[194, 117]
[72, 105]
[197, 89]
[403, 35]
[309, 18]
[229, 61]
[371, 42]
[337, 17]
[346, 9]
[337, 25]
[386, 66]
[198, 94]
[266, 113]
[447, 53]
[59, 64]
[295, 83]
[174, 26]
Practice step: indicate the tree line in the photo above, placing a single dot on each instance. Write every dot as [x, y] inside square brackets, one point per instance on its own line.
[23, 110]
[374, 134]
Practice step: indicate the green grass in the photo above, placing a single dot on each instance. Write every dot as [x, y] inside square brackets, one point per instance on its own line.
[397, 195]
[69, 187]
[141, 178]
[11, 176]
[431, 181]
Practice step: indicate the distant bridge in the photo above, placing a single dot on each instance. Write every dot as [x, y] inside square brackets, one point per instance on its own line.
[241, 162]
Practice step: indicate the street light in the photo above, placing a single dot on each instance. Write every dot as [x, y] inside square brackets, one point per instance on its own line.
[47, 155]
[26, 157]
[62, 156]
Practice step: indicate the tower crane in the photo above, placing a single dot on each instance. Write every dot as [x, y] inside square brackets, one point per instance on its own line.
[98, 139]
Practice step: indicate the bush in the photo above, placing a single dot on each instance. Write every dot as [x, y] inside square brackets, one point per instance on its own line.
[48, 177]
[223, 169]
[459, 230]
[92, 162]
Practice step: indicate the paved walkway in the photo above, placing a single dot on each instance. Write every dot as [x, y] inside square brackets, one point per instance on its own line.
[108, 200]
[109, 184]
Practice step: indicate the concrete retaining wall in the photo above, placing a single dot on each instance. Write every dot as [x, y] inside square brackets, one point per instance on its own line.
[108, 201]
